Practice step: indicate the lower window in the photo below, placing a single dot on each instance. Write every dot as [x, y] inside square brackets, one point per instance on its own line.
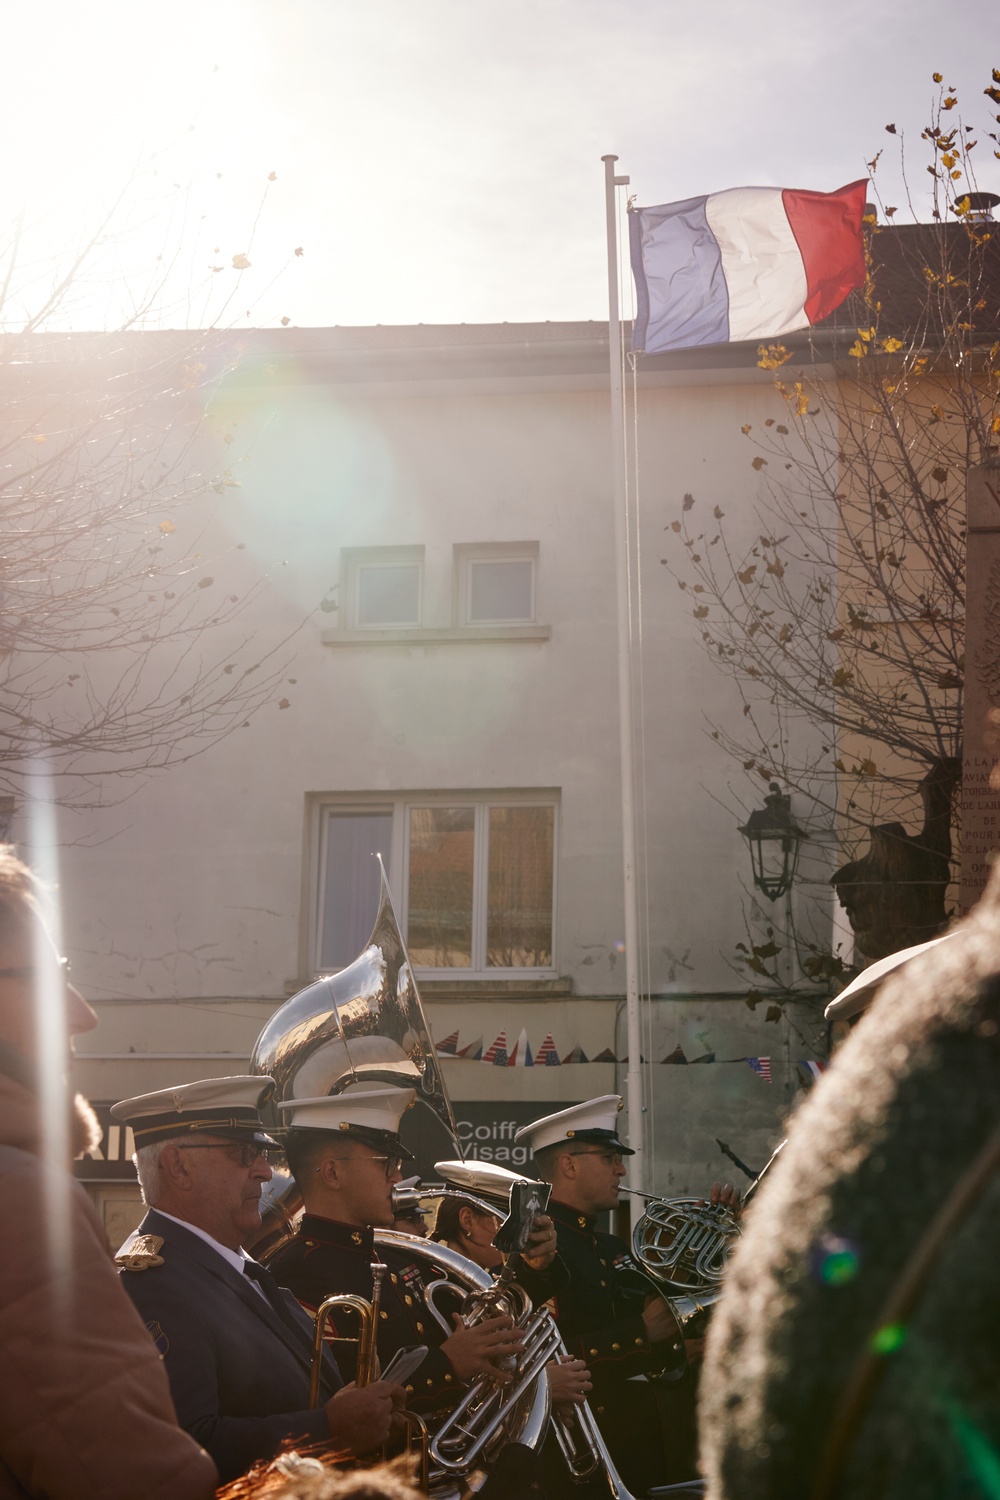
[473, 880]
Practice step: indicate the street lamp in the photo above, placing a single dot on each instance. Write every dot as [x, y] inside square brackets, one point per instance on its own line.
[774, 839]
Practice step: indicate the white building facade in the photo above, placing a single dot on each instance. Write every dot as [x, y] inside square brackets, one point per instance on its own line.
[432, 510]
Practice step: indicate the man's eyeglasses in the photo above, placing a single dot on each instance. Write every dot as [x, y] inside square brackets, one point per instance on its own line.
[613, 1158]
[246, 1152]
[392, 1163]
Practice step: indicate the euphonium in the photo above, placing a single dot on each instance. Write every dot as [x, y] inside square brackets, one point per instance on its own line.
[491, 1413]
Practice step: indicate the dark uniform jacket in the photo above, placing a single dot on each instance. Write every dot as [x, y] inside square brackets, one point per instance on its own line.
[599, 1313]
[327, 1257]
[238, 1366]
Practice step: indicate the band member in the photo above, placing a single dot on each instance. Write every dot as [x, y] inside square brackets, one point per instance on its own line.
[864, 1300]
[85, 1404]
[408, 1216]
[608, 1312]
[345, 1153]
[237, 1349]
[469, 1229]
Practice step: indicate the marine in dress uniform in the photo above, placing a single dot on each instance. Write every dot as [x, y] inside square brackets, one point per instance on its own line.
[237, 1349]
[600, 1310]
[345, 1154]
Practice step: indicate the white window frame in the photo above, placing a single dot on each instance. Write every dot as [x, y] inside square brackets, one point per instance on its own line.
[397, 859]
[353, 562]
[467, 554]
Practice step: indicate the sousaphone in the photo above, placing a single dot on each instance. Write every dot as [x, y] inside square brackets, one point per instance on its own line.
[365, 1024]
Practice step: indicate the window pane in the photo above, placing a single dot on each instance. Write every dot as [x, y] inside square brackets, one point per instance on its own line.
[500, 590]
[519, 912]
[439, 926]
[389, 596]
[352, 884]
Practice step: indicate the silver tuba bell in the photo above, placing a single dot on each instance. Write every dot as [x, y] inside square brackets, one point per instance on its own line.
[365, 1024]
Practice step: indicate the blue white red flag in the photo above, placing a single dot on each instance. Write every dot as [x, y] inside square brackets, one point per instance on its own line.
[748, 263]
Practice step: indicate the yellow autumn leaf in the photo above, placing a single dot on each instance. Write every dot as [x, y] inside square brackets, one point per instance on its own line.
[949, 102]
[745, 428]
[166, 527]
[38, 437]
[857, 350]
[240, 262]
[892, 345]
[938, 77]
[772, 356]
[285, 322]
[995, 426]
[758, 462]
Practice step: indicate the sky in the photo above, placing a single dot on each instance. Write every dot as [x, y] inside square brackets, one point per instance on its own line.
[433, 161]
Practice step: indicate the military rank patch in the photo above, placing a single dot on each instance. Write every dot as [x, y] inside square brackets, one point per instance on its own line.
[159, 1337]
[140, 1253]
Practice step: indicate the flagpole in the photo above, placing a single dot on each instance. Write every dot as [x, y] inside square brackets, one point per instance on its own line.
[633, 1078]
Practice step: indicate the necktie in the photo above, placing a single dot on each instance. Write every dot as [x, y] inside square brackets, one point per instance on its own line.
[267, 1284]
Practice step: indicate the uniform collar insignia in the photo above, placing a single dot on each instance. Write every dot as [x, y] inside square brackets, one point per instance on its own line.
[332, 1232]
[140, 1253]
[572, 1218]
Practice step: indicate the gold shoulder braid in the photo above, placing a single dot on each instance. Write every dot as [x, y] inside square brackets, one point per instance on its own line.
[140, 1253]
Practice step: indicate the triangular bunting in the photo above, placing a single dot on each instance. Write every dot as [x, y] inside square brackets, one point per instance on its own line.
[497, 1054]
[677, 1056]
[473, 1051]
[547, 1056]
[606, 1056]
[449, 1047]
[761, 1066]
[576, 1056]
[521, 1055]
[708, 1058]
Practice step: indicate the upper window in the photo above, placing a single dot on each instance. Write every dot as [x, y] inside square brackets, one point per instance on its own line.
[473, 877]
[495, 583]
[383, 587]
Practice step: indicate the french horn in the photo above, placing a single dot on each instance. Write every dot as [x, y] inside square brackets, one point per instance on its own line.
[684, 1244]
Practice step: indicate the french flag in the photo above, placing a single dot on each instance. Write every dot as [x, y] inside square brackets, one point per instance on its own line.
[749, 263]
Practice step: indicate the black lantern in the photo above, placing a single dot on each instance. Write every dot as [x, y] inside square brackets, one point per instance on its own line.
[774, 840]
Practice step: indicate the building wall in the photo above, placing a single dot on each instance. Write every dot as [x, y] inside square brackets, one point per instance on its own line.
[187, 905]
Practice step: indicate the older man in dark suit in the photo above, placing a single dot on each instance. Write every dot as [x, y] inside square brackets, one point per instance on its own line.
[236, 1347]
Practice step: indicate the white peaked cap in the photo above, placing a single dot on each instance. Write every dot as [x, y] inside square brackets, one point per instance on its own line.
[376, 1111]
[594, 1121]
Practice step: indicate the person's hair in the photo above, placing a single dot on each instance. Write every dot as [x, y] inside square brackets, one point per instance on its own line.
[20, 894]
[147, 1168]
[389, 1481]
[304, 1150]
[448, 1225]
[546, 1158]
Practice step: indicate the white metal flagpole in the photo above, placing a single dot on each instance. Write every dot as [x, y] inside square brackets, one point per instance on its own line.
[633, 1078]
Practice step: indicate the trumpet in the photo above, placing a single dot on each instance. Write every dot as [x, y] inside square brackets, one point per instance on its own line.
[367, 1315]
[367, 1364]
